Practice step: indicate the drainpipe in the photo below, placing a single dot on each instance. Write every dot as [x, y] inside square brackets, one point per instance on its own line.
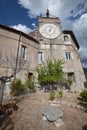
[1, 91]
[15, 71]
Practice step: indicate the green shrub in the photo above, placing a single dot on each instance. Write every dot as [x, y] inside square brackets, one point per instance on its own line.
[83, 95]
[30, 84]
[68, 84]
[60, 93]
[17, 88]
[50, 73]
[85, 84]
[52, 95]
[32, 88]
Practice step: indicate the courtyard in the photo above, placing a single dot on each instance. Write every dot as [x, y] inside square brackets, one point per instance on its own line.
[29, 117]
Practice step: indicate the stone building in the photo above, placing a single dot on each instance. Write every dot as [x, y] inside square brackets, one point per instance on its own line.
[57, 44]
[18, 53]
[23, 53]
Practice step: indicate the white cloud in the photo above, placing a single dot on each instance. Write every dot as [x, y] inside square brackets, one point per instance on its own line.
[80, 29]
[80, 25]
[59, 8]
[71, 13]
[22, 28]
[34, 25]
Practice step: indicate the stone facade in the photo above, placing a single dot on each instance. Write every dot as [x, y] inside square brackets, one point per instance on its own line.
[17, 51]
[58, 47]
[20, 51]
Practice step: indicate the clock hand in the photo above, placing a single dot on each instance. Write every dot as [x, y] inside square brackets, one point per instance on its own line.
[50, 30]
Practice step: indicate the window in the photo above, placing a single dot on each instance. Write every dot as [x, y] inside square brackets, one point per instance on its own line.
[23, 51]
[39, 57]
[66, 38]
[71, 76]
[68, 56]
[41, 41]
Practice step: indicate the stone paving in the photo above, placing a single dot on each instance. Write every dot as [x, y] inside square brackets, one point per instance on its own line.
[51, 113]
[73, 105]
[29, 116]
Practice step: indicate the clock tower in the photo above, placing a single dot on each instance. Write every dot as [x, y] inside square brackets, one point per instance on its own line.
[49, 27]
[57, 44]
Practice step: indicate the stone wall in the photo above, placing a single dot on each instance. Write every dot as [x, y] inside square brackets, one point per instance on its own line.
[10, 49]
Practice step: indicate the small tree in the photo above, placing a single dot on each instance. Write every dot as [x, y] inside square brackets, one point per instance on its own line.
[68, 84]
[85, 84]
[83, 95]
[51, 73]
[18, 88]
[29, 84]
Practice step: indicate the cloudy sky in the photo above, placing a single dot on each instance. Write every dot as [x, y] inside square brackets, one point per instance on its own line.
[23, 15]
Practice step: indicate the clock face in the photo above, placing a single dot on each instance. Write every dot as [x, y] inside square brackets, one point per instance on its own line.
[49, 30]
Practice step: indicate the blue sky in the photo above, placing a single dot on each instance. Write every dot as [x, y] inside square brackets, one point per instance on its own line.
[23, 14]
[11, 13]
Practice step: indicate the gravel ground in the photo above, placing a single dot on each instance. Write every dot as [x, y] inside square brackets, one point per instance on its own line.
[29, 117]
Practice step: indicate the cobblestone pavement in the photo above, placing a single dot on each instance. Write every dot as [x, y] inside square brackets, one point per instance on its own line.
[29, 116]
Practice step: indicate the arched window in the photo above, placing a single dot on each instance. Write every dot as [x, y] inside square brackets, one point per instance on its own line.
[66, 38]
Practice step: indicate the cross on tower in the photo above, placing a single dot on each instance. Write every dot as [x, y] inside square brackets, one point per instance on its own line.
[47, 13]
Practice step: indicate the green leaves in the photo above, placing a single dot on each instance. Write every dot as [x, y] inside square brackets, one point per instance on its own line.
[52, 95]
[51, 72]
[17, 88]
[83, 95]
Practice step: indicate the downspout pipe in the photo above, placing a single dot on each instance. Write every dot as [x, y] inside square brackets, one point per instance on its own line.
[17, 55]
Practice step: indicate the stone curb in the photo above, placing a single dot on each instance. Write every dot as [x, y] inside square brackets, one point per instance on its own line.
[73, 105]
